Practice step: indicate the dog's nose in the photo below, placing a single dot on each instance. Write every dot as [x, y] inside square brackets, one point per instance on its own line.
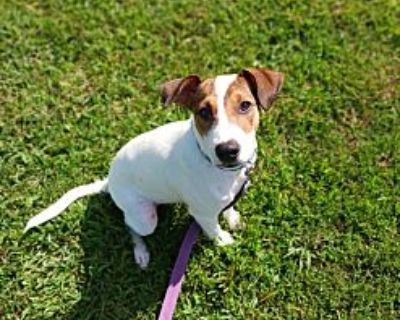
[228, 151]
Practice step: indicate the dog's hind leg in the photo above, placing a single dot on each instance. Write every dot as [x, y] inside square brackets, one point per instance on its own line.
[140, 216]
[140, 251]
[141, 219]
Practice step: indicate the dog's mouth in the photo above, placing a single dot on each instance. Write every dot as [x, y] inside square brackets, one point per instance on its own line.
[238, 164]
[230, 165]
[234, 165]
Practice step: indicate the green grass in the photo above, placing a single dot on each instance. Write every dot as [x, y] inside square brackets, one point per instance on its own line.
[78, 79]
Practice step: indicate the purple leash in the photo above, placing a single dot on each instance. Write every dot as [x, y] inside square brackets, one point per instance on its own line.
[175, 282]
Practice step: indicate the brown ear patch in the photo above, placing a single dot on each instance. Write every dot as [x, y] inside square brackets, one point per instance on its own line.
[238, 92]
[181, 91]
[264, 84]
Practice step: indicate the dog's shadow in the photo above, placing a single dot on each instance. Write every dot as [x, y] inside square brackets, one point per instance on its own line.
[112, 285]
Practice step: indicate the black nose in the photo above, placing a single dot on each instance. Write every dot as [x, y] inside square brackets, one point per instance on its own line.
[227, 152]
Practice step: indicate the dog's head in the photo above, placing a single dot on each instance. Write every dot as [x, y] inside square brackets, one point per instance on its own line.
[226, 110]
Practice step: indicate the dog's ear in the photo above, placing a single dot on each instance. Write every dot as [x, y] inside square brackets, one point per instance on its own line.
[264, 84]
[180, 91]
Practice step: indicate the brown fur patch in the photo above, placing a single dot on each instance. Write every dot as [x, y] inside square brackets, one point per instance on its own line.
[238, 92]
[205, 98]
[265, 85]
[180, 91]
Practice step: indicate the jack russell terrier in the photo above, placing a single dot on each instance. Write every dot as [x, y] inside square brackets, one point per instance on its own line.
[203, 161]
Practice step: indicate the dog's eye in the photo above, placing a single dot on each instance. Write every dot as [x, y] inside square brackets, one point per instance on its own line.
[244, 106]
[205, 113]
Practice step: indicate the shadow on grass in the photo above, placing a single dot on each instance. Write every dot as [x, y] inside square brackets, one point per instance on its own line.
[113, 286]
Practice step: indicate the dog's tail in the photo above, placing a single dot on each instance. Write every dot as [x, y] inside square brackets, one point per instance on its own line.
[61, 204]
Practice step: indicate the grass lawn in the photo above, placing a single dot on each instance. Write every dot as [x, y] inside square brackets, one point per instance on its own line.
[78, 79]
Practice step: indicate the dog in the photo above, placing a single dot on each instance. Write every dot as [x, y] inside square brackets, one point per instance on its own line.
[203, 161]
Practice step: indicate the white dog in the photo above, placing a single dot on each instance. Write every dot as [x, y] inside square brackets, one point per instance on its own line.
[203, 161]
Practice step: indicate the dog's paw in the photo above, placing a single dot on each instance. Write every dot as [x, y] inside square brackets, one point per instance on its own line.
[224, 238]
[142, 255]
[234, 220]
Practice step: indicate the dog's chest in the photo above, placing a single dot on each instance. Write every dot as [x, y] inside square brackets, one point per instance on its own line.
[213, 192]
[229, 191]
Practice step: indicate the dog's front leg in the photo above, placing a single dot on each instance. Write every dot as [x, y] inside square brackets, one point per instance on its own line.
[233, 218]
[212, 229]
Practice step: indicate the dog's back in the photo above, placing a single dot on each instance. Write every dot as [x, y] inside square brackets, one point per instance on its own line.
[149, 163]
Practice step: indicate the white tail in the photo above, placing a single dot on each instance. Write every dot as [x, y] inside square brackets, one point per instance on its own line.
[61, 204]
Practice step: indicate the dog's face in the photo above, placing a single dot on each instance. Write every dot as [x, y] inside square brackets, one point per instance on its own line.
[226, 110]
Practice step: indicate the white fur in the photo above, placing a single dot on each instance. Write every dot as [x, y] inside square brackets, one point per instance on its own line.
[165, 166]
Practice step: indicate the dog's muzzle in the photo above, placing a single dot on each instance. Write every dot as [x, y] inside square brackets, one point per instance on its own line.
[235, 165]
[228, 152]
